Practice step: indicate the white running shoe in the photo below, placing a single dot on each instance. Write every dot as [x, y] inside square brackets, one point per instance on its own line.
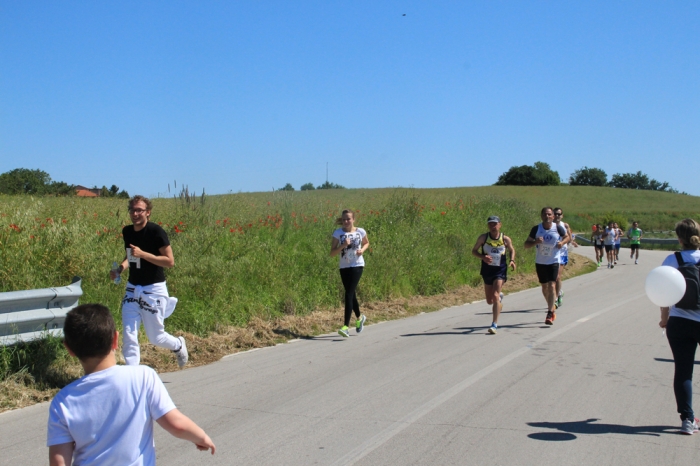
[636, 262]
[493, 328]
[501, 297]
[689, 426]
[182, 356]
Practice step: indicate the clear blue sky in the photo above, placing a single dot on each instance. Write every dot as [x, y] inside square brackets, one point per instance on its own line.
[247, 96]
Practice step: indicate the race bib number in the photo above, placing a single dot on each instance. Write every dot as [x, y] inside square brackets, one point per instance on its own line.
[495, 257]
[131, 258]
[546, 250]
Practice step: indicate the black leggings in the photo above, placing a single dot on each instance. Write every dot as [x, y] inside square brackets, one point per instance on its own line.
[351, 277]
[683, 336]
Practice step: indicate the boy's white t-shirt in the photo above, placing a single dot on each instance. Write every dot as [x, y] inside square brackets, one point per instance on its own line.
[109, 415]
[348, 258]
[692, 256]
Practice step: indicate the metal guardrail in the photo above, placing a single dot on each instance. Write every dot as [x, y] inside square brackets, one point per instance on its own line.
[31, 314]
[587, 240]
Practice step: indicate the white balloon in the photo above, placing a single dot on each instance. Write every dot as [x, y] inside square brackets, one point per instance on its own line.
[665, 286]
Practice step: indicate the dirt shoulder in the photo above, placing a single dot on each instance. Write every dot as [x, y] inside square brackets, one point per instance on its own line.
[20, 391]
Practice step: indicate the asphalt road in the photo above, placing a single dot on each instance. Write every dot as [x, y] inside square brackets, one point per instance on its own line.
[437, 389]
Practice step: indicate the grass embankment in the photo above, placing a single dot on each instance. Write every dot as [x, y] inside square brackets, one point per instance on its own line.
[586, 205]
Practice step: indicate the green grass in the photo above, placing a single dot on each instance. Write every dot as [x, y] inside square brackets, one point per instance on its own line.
[586, 205]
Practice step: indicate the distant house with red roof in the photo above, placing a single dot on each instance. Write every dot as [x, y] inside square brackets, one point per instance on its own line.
[82, 191]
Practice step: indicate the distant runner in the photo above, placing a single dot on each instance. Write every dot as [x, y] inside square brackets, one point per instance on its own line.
[491, 249]
[548, 238]
[564, 255]
[597, 240]
[609, 236]
[635, 236]
[618, 240]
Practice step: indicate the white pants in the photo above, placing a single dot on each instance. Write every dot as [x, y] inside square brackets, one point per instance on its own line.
[151, 305]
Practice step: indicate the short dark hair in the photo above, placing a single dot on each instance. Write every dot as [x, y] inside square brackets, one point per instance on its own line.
[557, 208]
[89, 330]
[544, 209]
[145, 200]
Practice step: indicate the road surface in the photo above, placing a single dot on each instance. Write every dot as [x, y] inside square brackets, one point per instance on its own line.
[437, 389]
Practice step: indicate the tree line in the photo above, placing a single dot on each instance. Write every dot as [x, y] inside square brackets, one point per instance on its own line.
[38, 182]
[310, 186]
[541, 174]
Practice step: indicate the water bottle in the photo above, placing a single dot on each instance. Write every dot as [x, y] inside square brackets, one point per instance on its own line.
[115, 268]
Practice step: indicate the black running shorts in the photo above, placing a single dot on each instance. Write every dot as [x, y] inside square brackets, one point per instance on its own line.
[547, 272]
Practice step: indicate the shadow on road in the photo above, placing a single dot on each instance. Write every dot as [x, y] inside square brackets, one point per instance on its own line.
[472, 330]
[671, 360]
[568, 429]
[519, 311]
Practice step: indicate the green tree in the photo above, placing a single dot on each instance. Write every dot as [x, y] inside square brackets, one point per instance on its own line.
[287, 187]
[60, 188]
[113, 190]
[329, 185]
[24, 181]
[588, 177]
[307, 187]
[639, 180]
[540, 174]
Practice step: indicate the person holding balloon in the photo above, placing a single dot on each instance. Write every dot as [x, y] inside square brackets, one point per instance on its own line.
[678, 294]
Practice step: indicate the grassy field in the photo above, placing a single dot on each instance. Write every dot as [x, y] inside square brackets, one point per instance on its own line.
[586, 205]
[264, 256]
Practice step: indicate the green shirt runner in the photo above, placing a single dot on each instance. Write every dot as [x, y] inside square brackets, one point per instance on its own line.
[635, 235]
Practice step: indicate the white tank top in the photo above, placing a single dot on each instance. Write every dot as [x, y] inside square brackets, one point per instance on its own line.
[548, 252]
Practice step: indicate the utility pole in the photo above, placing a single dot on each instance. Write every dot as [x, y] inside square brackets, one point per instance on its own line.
[326, 172]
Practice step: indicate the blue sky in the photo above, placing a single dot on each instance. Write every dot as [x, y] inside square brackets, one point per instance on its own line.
[246, 96]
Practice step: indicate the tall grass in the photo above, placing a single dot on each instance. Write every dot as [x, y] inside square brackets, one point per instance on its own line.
[264, 254]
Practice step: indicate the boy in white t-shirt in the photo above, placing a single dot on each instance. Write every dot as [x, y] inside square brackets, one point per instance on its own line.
[106, 417]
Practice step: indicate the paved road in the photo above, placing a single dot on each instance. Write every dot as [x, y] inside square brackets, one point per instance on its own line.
[436, 389]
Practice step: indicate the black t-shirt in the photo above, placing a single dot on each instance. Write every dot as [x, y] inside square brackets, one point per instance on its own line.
[150, 239]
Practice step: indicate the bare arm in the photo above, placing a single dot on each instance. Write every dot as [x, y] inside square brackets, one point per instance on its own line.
[511, 251]
[180, 426]
[475, 250]
[664, 316]
[365, 245]
[61, 454]
[165, 259]
[532, 242]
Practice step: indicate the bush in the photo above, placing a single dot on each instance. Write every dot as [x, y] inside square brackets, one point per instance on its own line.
[307, 187]
[540, 174]
[588, 177]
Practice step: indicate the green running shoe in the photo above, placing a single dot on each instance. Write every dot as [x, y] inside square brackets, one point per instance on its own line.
[344, 331]
[360, 324]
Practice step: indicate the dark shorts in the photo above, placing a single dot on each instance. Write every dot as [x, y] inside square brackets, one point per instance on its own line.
[547, 272]
[599, 247]
[489, 279]
[617, 246]
[634, 246]
[609, 247]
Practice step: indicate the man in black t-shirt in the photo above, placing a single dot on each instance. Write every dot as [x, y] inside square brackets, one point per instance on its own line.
[146, 300]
